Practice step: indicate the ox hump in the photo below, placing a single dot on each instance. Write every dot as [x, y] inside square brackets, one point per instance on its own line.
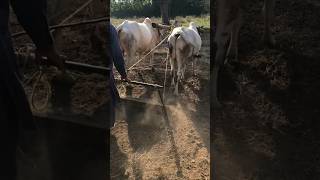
[193, 26]
[147, 21]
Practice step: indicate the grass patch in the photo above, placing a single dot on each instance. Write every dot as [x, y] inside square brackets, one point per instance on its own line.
[203, 20]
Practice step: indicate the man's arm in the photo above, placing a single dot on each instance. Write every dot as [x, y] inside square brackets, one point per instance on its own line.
[32, 15]
[116, 53]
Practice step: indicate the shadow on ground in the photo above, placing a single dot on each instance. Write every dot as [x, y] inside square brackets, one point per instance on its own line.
[268, 128]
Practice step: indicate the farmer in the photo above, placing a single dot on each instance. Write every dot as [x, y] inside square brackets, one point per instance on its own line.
[14, 108]
[116, 58]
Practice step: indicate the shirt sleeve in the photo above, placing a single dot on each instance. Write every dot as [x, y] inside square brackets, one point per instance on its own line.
[32, 15]
[116, 52]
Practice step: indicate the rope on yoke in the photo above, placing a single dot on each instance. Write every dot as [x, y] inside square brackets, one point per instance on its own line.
[148, 53]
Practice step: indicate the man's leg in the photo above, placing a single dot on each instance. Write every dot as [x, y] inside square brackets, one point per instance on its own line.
[112, 116]
[8, 137]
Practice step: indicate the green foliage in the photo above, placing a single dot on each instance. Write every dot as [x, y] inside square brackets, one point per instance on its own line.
[130, 8]
[187, 7]
[151, 8]
[203, 20]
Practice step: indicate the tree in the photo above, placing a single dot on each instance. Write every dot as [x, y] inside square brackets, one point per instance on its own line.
[164, 8]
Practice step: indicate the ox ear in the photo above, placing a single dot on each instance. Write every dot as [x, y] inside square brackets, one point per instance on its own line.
[154, 25]
[176, 23]
[160, 26]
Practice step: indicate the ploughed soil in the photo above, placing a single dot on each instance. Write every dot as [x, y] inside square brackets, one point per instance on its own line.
[146, 145]
[269, 127]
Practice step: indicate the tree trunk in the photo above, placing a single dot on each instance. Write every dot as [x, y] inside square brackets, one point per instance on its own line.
[164, 8]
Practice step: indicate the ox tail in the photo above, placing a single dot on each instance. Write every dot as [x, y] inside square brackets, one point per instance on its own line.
[172, 45]
[120, 33]
[175, 44]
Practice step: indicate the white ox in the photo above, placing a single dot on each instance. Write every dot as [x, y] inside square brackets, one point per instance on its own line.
[228, 26]
[184, 44]
[139, 37]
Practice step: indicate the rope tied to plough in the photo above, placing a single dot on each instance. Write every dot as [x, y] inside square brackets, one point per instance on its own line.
[141, 59]
[166, 60]
[165, 79]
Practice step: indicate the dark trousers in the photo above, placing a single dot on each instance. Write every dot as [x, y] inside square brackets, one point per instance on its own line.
[14, 107]
[115, 99]
[9, 139]
[9, 125]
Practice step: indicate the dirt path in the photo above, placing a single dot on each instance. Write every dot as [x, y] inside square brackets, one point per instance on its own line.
[152, 153]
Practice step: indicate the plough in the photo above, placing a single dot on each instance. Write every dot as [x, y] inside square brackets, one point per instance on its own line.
[60, 107]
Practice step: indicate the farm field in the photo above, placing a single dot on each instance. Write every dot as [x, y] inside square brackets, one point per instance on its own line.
[143, 144]
[268, 128]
